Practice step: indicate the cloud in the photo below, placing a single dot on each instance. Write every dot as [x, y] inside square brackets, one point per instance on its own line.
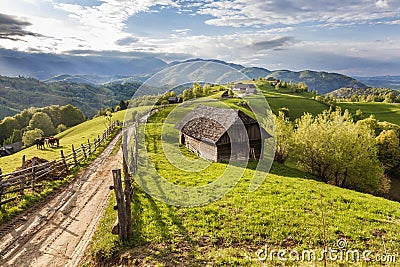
[139, 53]
[12, 28]
[127, 41]
[275, 43]
[381, 4]
[239, 13]
[182, 31]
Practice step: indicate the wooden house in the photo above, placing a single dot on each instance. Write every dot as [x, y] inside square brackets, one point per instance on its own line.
[222, 134]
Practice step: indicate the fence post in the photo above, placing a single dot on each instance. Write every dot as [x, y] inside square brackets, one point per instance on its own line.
[133, 167]
[33, 174]
[136, 146]
[122, 227]
[21, 192]
[84, 152]
[90, 147]
[128, 196]
[74, 155]
[64, 161]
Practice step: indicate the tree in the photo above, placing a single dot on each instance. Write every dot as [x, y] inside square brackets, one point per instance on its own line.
[123, 105]
[358, 116]
[284, 134]
[61, 128]
[285, 111]
[42, 121]
[390, 97]
[197, 90]
[354, 98]
[339, 151]
[71, 116]
[29, 136]
[7, 127]
[389, 150]
[206, 89]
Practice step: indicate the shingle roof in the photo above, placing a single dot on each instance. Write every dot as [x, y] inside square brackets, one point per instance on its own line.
[209, 123]
[247, 86]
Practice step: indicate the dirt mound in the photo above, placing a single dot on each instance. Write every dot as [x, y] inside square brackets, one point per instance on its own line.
[54, 172]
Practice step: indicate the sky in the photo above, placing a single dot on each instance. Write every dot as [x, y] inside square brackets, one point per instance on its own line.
[353, 37]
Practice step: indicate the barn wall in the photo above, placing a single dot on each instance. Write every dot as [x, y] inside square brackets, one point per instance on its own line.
[237, 135]
[204, 150]
[243, 152]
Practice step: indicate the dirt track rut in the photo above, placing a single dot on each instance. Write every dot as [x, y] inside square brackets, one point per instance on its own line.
[57, 233]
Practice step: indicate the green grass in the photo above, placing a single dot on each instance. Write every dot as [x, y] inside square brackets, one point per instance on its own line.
[284, 213]
[76, 135]
[30, 197]
[300, 103]
[381, 111]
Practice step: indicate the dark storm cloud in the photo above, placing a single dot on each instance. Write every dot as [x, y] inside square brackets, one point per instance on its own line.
[133, 54]
[127, 41]
[12, 28]
[275, 44]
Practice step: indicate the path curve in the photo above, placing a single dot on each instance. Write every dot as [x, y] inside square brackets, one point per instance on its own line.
[58, 232]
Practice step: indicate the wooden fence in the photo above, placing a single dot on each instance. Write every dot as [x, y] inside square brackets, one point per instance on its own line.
[29, 179]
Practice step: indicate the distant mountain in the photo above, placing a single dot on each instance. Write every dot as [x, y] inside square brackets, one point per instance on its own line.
[44, 66]
[392, 82]
[255, 72]
[324, 82]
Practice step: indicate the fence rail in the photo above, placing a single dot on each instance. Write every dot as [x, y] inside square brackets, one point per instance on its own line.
[29, 179]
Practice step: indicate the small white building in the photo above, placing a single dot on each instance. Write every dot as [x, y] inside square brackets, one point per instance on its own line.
[248, 89]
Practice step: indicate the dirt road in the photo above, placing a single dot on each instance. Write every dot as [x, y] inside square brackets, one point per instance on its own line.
[58, 233]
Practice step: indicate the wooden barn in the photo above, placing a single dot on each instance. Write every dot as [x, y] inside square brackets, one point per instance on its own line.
[218, 133]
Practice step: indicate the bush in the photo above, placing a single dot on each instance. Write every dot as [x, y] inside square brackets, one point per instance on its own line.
[284, 134]
[42, 121]
[29, 136]
[339, 151]
[61, 128]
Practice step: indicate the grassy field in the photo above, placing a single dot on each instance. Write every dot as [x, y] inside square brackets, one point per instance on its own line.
[286, 213]
[76, 135]
[299, 103]
[382, 111]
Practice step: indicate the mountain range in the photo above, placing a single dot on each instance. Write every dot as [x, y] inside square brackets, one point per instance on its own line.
[94, 82]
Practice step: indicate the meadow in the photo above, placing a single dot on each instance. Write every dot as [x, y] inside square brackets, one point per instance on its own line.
[299, 103]
[291, 210]
[76, 136]
[382, 111]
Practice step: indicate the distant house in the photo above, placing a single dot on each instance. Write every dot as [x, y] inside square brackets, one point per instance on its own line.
[174, 100]
[273, 81]
[11, 149]
[247, 89]
[218, 134]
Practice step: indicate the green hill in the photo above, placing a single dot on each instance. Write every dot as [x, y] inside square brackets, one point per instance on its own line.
[324, 82]
[291, 211]
[20, 93]
[349, 92]
[76, 135]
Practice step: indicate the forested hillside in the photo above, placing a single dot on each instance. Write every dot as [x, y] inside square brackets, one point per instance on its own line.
[323, 82]
[19, 93]
[37, 122]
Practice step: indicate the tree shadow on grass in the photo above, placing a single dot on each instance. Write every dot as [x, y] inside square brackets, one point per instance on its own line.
[175, 247]
[283, 170]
